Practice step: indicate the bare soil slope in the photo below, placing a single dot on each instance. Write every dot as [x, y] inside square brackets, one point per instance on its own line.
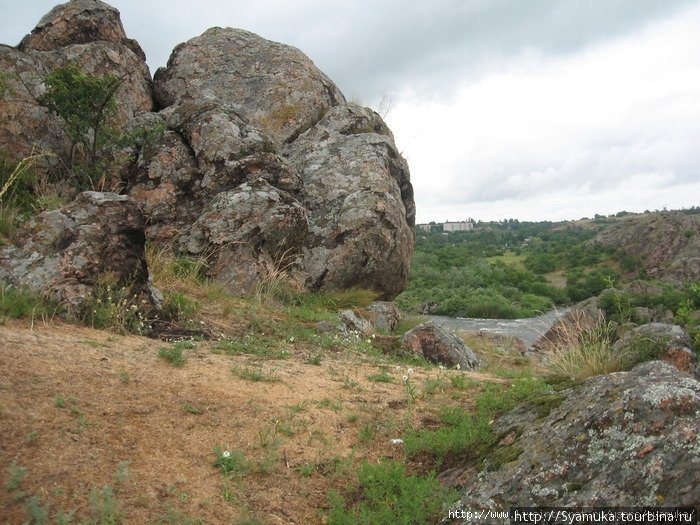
[82, 409]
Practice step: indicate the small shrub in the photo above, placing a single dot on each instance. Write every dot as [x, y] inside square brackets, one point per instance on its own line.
[381, 377]
[231, 463]
[592, 355]
[306, 469]
[253, 374]
[640, 350]
[104, 507]
[113, 306]
[366, 433]
[177, 305]
[173, 354]
[261, 346]
[22, 302]
[389, 495]
[15, 474]
[37, 513]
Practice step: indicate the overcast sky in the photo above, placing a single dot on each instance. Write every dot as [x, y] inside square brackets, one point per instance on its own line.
[538, 109]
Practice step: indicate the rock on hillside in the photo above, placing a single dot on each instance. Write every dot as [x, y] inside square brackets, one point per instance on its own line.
[273, 86]
[623, 439]
[67, 251]
[88, 33]
[360, 200]
[261, 165]
[668, 243]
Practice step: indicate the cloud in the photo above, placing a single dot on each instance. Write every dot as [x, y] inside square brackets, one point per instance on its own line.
[548, 131]
[503, 108]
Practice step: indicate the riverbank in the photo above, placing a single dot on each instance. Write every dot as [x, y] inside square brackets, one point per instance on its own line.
[528, 330]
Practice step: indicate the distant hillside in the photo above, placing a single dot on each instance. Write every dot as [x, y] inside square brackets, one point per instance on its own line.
[512, 268]
[667, 243]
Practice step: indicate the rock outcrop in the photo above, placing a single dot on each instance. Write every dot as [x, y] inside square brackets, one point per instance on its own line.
[360, 199]
[667, 342]
[273, 86]
[439, 345]
[567, 330]
[623, 439]
[67, 251]
[668, 243]
[260, 164]
[88, 33]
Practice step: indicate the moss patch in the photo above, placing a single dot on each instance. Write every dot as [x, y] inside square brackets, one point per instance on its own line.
[499, 456]
[542, 404]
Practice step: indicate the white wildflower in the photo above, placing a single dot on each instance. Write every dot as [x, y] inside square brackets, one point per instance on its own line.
[405, 378]
[410, 371]
[458, 367]
[226, 454]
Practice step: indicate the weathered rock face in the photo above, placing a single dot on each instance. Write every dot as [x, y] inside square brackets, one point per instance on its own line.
[88, 33]
[336, 207]
[384, 315]
[252, 109]
[355, 323]
[360, 200]
[75, 22]
[66, 251]
[250, 230]
[667, 342]
[274, 86]
[566, 331]
[668, 243]
[623, 439]
[440, 345]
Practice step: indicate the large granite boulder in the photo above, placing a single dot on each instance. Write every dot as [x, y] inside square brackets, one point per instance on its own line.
[274, 86]
[336, 208]
[87, 33]
[67, 251]
[440, 345]
[247, 233]
[620, 440]
[360, 202]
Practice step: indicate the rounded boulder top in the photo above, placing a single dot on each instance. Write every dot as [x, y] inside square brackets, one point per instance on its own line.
[273, 85]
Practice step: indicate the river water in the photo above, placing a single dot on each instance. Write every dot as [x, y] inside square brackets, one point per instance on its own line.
[527, 330]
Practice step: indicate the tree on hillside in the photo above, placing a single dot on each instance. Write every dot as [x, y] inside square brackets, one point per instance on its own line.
[84, 104]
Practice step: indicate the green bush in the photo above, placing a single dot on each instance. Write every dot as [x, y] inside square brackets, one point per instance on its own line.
[174, 355]
[389, 495]
[22, 302]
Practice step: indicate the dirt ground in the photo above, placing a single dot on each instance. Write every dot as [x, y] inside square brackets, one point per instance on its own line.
[82, 409]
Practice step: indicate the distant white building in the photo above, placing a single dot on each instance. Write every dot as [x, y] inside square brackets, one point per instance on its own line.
[426, 227]
[461, 226]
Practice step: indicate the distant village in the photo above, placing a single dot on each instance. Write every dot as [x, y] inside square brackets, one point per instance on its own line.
[448, 226]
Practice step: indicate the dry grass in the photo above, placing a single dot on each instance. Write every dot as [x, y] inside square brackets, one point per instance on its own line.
[499, 352]
[584, 349]
[121, 404]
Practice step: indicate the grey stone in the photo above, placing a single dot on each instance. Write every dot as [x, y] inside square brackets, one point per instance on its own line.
[663, 341]
[352, 322]
[248, 234]
[440, 345]
[384, 315]
[623, 439]
[360, 200]
[274, 86]
[66, 251]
